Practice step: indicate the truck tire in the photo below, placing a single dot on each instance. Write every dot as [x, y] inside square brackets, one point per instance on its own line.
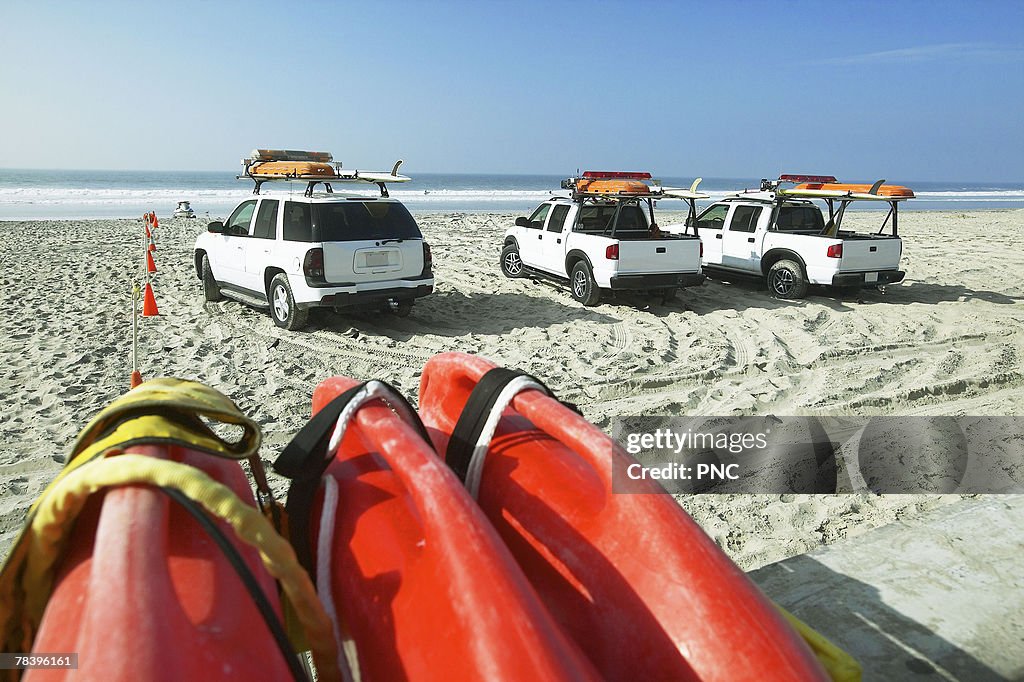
[283, 310]
[786, 279]
[581, 283]
[211, 292]
[511, 263]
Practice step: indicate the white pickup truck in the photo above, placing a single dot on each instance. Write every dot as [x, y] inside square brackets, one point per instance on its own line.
[780, 235]
[291, 253]
[603, 236]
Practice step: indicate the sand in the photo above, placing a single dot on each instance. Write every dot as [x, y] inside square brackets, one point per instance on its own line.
[946, 342]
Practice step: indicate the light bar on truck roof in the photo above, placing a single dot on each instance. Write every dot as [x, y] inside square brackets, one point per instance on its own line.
[817, 179]
[613, 175]
[290, 155]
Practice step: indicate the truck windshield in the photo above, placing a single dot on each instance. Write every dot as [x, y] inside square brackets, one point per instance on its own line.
[362, 221]
[799, 218]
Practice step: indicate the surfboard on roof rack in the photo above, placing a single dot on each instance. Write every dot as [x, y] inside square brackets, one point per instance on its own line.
[836, 195]
[313, 168]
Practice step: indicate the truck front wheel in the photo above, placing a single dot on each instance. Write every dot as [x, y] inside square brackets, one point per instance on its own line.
[786, 280]
[584, 288]
[511, 263]
[211, 292]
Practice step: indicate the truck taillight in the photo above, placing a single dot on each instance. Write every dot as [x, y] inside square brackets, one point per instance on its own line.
[313, 264]
[611, 252]
[428, 259]
[701, 249]
[835, 251]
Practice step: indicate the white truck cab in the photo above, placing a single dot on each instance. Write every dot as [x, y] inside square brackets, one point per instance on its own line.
[781, 235]
[603, 236]
[293, 252]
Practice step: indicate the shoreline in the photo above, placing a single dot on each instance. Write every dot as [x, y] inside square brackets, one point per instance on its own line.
[905, 208]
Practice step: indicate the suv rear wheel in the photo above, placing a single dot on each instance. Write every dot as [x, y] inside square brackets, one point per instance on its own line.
[283, 310]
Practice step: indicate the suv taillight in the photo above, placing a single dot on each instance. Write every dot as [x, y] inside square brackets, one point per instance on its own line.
[313, 264]
[428, 259]
[611, 252]
[835, 251]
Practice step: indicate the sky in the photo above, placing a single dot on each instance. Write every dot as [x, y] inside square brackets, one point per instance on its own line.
[862, 90]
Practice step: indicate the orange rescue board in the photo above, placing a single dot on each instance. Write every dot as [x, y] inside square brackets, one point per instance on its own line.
[612, 187]
[293, 169]
[631, 578]
[883, 191]
[143, 592]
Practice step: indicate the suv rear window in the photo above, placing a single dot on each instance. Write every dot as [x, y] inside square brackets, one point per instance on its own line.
[799, 218]
[363, 220]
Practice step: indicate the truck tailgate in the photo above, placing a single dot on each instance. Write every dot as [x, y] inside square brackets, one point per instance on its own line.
[867, 255]
[659, 255]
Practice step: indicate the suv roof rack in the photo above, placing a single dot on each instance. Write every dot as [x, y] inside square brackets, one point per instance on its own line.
[264, 165]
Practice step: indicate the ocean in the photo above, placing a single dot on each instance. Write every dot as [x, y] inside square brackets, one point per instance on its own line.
[56, 194]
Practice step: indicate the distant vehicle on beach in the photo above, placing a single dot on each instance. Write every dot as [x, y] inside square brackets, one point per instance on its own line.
[184, 210]
[603, 236]
[780, 235]
[293, 253]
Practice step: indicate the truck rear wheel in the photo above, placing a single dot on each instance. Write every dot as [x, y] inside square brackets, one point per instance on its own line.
[511, 263]
[584, 288]
[786, 280]
[283, 310]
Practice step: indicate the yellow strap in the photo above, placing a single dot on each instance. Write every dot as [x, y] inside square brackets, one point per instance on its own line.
[840, 666]
[163, 412]
[187, 400]
[56, 511]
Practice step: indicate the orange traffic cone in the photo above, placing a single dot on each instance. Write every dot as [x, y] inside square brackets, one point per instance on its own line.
[149, 302]
[156, 223]
[150, 264]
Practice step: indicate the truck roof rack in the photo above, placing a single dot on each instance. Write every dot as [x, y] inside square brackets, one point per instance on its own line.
[625, 185]
[265, 165]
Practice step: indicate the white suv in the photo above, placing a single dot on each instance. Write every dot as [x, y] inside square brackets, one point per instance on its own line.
[292, 253]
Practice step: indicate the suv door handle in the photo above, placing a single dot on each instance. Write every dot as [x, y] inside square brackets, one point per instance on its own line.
[750, 239]
[718, 236]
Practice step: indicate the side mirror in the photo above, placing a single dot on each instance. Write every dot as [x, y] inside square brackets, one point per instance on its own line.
[215, 226]
[522, 222]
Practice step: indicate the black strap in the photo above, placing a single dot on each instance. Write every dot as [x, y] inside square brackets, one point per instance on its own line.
[474, 416]
[248, 579]
[304, 460]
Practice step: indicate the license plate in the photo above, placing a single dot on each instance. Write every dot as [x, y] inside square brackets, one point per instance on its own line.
[377, 259]
[871, 277]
